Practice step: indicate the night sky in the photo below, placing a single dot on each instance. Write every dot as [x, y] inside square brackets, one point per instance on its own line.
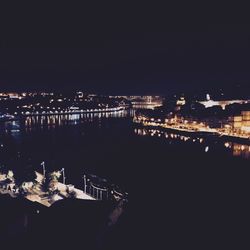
[121, 50]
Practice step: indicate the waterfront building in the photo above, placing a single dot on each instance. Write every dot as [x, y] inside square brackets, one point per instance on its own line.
[223, 103]
[240, 123]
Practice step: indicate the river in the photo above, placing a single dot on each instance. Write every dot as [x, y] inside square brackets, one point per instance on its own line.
[102, 144]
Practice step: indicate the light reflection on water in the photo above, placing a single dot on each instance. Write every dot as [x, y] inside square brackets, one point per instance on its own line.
[62, 141]
[70, 118]
[50, 122]
[239, 149]
[235, 149]
[53, 121]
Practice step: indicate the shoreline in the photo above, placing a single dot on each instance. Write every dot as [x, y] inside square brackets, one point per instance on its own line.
[75, 112]
[203, 134]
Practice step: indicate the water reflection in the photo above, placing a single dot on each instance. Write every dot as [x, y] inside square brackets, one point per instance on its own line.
[49, 122]
[235, 149]
[54, 121]
[30, 123]
[238, 149]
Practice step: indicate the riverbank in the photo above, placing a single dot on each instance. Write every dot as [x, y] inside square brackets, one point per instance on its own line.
[18, 116]
[197, 133]
[75, 111]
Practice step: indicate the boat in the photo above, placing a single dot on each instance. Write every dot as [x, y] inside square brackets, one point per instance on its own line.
[7, 117]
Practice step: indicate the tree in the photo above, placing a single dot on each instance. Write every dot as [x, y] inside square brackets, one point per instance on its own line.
[49, 180]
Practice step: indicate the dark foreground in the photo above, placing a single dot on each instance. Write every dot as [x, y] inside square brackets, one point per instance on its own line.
[180, 200]
[68, 224]
[193, 199]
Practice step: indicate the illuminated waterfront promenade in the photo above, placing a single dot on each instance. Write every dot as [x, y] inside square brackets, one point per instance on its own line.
[74, 111]
[182, 125]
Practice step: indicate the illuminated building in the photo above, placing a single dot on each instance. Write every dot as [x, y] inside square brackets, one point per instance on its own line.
[240, 123]
[210, 103]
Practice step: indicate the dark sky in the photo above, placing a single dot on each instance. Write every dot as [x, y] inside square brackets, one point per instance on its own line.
[121, 49]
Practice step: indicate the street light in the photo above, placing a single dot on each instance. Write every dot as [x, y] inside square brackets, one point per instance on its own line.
[85, 183]
[63, 175]
[43, 165]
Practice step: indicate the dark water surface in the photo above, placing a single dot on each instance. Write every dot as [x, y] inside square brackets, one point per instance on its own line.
[183, 192]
